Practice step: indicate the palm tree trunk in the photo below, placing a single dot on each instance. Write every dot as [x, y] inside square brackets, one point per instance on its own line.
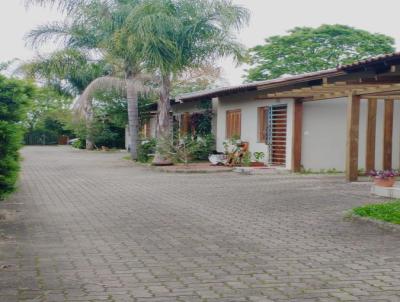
[133, 116]
[89, 120]
[161, 157]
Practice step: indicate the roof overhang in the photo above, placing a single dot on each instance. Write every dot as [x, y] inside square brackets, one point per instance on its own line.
[374, 77]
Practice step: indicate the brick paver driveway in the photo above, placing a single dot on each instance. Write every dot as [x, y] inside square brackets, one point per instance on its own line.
[94, 227]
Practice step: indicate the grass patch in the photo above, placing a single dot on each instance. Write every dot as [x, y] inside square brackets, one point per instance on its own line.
[389, 211]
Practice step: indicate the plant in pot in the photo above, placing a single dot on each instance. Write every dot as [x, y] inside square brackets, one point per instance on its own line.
[383, 178]
[246, 159]
[258, 156]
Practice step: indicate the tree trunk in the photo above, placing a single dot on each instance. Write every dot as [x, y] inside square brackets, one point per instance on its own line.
[133, 116]
[89, 120]
[162, 157]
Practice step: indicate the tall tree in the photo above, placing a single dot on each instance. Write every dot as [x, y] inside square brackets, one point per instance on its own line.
[97, 26]
[176, 35]
[307, 49]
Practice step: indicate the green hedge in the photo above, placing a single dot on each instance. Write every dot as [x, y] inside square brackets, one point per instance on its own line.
[14, 99]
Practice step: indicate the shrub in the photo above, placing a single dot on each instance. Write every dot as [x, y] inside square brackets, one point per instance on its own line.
[202, 147]
[108, 136]
[79, 144]
[145, 149]
[191, 148]
[15, 96]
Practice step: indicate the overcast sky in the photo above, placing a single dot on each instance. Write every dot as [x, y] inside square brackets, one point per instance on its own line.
[268, 17]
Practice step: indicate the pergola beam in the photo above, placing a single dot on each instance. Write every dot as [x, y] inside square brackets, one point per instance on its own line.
[337, 90]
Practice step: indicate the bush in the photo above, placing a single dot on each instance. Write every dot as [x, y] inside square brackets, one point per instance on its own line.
[107, 135]
[15, 96]
[145, 149]
[79, 144]
[203, 147]
[191, 149]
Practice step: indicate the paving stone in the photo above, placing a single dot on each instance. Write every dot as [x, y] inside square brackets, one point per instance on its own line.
[94, 227]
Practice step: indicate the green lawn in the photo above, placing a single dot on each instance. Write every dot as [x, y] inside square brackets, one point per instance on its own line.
[389, 211]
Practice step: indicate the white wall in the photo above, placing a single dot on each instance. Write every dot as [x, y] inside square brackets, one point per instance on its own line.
[324, 134]
[396, 135]
[249, 122]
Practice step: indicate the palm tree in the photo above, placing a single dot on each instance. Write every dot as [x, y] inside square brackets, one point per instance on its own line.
[99, 26]
[176, 35]
[68, 71]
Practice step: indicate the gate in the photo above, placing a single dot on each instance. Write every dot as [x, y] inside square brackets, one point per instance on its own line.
[276, 134]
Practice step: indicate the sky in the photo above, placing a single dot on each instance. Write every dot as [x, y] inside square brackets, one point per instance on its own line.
[268, 17]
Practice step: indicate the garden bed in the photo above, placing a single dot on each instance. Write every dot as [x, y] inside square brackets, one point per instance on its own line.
[192, 168]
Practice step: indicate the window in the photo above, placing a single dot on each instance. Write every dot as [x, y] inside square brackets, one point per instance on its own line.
[146, 129]
[233, 123]
[262, 124]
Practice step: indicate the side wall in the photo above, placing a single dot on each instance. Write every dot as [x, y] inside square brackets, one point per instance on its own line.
[248, 105]
[324, 134]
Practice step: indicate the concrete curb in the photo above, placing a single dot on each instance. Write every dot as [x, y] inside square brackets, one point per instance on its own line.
[349, 215]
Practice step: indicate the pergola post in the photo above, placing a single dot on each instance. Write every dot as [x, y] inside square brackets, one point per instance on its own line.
[388, 134]
[371, 135]
[353, 125]
[297, 135]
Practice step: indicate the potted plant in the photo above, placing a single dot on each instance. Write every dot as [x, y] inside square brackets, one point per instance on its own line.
[258, 156]
[383, 178]
[246, 159]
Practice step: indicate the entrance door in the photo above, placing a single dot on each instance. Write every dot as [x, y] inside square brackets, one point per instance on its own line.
[276, 134]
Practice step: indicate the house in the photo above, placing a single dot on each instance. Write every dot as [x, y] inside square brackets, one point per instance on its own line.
[347, 118]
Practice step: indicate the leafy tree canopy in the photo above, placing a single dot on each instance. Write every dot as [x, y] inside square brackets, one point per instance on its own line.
[307, 49]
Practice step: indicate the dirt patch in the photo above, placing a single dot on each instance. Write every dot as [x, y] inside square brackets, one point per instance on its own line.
[7, 215]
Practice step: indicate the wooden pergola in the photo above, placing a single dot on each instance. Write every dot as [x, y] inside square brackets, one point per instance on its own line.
[377, 78]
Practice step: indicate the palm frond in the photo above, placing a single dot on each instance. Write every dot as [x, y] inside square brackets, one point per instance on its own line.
[83, 104]
[67, 6]
[55, 32]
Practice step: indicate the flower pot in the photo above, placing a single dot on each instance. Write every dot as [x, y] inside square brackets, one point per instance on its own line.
[384, 182]
[257, 164]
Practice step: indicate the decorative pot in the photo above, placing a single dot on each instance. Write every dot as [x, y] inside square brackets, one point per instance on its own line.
[384, 182]
[257, 164]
